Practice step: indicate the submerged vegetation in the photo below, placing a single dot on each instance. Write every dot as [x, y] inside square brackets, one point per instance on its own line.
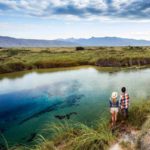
[19, 59]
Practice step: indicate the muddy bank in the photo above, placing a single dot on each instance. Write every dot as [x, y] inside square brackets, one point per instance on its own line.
[13, 59]
[128, 62]
[123, 63]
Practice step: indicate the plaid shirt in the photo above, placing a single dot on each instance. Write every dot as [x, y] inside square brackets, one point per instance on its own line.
[124, 100]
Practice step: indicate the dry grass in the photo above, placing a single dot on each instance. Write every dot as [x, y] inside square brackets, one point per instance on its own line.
[17, 59]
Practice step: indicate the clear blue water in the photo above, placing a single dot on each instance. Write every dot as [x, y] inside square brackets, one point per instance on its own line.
[28, 102]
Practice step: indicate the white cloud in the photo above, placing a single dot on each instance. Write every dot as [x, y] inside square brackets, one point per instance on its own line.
[118, 3]
[78, 9]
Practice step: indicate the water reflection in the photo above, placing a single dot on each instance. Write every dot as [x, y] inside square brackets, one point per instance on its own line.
[29, 101]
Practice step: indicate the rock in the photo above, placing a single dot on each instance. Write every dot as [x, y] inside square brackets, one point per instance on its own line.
[116, 146]
[145, 141]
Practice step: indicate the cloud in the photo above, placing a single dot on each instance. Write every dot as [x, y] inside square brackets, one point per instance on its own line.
[127, 9]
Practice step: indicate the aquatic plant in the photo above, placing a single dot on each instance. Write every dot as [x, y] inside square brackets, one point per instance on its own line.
[5, 145]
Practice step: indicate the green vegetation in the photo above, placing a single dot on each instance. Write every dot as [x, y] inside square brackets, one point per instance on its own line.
[139, 113]
[77, 136]
[19, 59]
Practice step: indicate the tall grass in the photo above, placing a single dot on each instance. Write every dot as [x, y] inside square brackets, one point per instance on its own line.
[77, 136]
[138, 113]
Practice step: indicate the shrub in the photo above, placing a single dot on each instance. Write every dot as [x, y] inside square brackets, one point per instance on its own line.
[16, 66]
[12, 52]
[80, 48]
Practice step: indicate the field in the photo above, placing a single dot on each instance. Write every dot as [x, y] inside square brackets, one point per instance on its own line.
[19, 59]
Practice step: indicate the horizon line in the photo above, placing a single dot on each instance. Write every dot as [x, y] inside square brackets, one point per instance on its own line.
[72, 38]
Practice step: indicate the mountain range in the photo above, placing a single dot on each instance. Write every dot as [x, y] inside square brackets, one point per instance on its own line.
[93, 41]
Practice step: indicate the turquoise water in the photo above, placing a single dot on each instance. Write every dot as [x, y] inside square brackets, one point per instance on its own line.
[28, 102]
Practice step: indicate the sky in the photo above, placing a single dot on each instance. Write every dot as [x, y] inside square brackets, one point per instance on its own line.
[53, 19]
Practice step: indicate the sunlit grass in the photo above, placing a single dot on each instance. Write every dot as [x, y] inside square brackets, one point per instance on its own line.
[77, 136]
[16, 59]
[139, 112]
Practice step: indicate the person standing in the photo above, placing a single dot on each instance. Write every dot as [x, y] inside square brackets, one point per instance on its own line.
[114, 108]
[124, 102]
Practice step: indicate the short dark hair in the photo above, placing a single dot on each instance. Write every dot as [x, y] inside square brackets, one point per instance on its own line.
[123, 89]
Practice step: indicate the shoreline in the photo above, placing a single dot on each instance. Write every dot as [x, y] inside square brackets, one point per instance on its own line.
[63, 68]
[49, 70]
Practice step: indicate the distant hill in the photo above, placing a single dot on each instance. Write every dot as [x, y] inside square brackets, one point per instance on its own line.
[94, 41]
[109, 41]
[14, 42]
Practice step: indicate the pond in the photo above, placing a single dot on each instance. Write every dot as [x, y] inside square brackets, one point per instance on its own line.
[30, 101]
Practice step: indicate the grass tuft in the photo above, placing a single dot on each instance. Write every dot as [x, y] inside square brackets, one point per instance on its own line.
[138, 113]
[78, 136]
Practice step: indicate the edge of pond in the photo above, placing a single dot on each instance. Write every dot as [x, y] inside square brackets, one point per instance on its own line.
[13, 75]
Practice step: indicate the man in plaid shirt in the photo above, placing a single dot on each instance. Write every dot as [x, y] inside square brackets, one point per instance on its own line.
[124, 102]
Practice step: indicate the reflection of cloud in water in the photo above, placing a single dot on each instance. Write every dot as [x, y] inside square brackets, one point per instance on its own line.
[63, 88]
[40, 100]
[46, 88]
[34, 80]
[137, 83]
[86, 91]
